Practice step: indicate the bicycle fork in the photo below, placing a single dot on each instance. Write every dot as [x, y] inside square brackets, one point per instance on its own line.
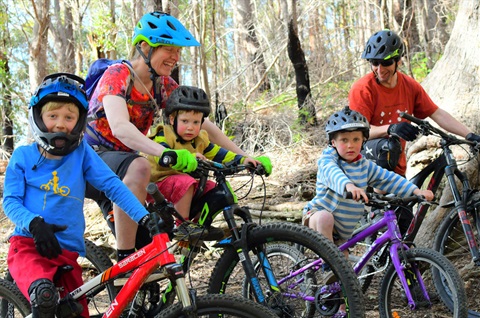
[239, 243]
[409, 275]
[450, 171]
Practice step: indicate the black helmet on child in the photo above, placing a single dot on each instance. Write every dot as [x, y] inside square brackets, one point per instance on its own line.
[347, 120]
[383, 45]
[188, 98]
[58, 87]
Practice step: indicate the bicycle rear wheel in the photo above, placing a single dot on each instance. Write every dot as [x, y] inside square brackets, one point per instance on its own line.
[450, 241]
[12, 302]
[315, 292]
[224, 305]
[438, 275]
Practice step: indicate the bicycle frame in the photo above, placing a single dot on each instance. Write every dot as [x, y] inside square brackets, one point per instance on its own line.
[224, 200]
[142, 263]
[446, 165]
[393, 235]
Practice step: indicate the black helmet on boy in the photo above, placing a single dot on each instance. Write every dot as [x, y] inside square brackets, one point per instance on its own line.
[188, 98]
[58, 87]
[346, 120]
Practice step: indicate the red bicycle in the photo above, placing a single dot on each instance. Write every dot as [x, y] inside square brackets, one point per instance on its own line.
[128, 302]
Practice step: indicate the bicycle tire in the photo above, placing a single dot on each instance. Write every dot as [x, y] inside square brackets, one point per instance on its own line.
[227, 277]
[95, 262]
[437, 273]
[451, 242]
[214, 305]
[12, 302]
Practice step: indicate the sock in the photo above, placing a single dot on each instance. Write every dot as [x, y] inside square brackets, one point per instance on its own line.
[121, 254]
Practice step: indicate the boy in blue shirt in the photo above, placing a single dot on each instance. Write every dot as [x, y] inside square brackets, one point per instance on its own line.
[44, 192]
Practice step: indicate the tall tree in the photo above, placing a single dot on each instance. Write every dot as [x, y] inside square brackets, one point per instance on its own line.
[37, 69]
[307, 113]
[62, 28]
[6, 115]
[454, 84]
[256, 62]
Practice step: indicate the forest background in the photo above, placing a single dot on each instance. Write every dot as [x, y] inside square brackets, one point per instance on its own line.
[274, 69]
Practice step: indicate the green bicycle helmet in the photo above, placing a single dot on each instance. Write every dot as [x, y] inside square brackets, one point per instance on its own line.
[383, 45]
[347, 120]
[159, 28]
[188, 98]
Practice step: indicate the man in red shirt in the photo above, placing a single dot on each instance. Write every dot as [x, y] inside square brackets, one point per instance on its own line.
[385, 92]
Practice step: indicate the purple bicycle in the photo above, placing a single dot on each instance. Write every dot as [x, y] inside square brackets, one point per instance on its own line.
[418, 282]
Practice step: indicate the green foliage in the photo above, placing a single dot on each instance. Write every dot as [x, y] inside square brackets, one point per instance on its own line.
[420, 65]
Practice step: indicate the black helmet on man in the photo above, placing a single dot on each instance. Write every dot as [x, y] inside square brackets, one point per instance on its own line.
[383, 45]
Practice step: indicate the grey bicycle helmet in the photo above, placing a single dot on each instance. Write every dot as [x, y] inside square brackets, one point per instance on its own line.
[383, 45]
[59, 87]
[347, 120]
[188, 98]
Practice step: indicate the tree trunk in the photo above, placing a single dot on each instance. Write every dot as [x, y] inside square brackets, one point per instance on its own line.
[306, 107]
[256, 60]
[37, 67]
[454, 85]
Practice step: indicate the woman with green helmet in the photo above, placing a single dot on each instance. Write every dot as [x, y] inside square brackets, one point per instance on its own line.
[121, 115]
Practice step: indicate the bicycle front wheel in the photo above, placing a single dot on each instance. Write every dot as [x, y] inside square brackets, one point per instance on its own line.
[437, 275]
[95, 262]
[450, 241]
[220, 306]
[12, 302]
[303, 290]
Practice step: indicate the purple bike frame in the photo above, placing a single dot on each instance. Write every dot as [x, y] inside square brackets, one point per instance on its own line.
[392, 234]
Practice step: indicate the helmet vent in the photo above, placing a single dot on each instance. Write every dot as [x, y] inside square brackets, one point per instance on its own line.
[170, 24]
[152, 25]
[166, 36]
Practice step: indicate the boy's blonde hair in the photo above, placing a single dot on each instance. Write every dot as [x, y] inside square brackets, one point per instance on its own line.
[49, 106]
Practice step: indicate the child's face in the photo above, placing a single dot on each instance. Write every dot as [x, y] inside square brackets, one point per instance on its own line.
[188, 124]
[62, 119]
[348, 144]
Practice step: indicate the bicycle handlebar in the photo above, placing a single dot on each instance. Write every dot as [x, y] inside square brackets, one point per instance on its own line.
[426, 128]
[226, 169]
[155, 193]
[381, 200]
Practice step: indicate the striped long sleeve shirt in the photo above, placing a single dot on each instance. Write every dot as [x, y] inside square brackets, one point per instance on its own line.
[332, 177]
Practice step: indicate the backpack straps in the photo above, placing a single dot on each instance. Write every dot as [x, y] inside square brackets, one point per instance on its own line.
[151, 103]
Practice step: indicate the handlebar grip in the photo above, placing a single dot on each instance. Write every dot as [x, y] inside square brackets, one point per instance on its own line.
[155, 193]
[411, 118]
[347, 195]
[167, 161]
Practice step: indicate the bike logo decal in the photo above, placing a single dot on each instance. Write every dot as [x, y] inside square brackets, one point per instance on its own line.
[53, 184]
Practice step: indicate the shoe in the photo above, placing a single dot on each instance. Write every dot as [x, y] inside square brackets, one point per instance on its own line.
[214, 234]
[189, 231]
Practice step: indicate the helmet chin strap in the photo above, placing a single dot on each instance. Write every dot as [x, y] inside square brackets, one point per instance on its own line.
[376, 73]
[153, 74]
